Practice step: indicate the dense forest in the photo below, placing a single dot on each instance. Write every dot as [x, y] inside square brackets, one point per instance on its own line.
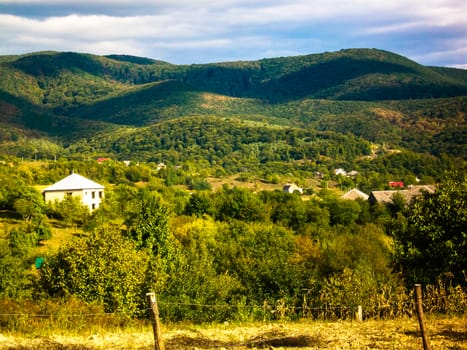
[194, 158]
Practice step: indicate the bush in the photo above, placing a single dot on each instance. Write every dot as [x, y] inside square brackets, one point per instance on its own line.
[104, 268]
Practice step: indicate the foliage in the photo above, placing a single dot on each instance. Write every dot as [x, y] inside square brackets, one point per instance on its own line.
[245, 254]
[260, 255]
[59, 101]
[231, 253]
[238, 204]
[432, 240]
[148, 225]
[14, 279]
[103, 267]
[70, 210]
[196, 279]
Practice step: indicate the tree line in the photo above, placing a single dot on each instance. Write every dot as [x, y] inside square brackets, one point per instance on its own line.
[248, 254]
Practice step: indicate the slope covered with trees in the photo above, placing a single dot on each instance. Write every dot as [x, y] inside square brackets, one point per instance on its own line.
[377, 96]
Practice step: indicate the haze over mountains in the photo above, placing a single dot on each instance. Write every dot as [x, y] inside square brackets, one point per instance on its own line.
[372, 95]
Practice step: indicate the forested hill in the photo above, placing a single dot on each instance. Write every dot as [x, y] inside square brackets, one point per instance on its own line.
[375, 95]
[356, 74]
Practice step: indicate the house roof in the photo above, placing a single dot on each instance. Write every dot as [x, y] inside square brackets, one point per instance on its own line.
[354, 194]
[408, 194]
[292, 188]
[73, 182]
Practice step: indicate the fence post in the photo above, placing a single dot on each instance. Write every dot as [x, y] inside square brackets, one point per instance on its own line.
[421, 317]
[359, 313]
[156, 327]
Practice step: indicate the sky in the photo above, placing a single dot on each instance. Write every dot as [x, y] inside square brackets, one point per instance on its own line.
[431, 32]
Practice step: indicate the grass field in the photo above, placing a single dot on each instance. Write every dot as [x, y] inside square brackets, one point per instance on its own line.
[444, 333]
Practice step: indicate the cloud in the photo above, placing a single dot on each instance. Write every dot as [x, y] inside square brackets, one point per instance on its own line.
[180, 30]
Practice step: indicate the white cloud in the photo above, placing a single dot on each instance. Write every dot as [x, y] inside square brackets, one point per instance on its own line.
[239, 27]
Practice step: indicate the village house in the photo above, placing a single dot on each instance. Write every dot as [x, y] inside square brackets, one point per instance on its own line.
[385, 197]
[90, 192]
[292, 188]
[345, 173]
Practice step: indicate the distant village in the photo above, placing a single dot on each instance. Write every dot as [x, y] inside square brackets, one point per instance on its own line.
[92, 193]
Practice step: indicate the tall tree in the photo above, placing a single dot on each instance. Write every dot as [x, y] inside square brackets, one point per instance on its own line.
[148, 224]
[432, 240]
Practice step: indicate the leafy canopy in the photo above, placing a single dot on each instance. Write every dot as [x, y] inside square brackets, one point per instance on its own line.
[432, 240]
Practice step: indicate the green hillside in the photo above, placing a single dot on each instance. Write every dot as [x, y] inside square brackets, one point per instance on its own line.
[365, 95]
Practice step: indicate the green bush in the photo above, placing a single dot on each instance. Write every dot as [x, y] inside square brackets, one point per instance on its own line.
[103, 267]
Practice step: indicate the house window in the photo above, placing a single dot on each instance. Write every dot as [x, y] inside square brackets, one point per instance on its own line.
[100, 194]
[93, 194]
[93, 206]
[69, 194]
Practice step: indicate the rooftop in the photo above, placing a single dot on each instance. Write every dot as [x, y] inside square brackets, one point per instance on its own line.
[73, 182]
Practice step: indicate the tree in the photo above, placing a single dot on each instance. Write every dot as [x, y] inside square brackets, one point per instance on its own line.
[103, 267]
[195, 280]
[432, 238]
[148, 224]
[261, 256]
[26, 208]
[70, 210]
[239, 204]
[199, 204]
[343, 212]
[14, 281]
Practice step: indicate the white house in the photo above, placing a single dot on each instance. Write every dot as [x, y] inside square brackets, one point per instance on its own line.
[291, 188]
[90, 192]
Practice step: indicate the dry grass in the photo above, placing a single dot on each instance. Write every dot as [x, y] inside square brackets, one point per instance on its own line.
[233, 181]
[445, 333]
[255, 184]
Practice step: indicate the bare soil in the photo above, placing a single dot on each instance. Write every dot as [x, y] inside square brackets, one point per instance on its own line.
[444, 333]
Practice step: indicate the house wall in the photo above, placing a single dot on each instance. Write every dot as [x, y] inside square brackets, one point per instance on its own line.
[92, 198]
[89, 197]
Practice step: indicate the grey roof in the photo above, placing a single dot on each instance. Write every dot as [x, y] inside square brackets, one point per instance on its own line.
[74, 182]
[408, 194]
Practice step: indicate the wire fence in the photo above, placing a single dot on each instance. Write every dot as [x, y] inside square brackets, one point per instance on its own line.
[280, 308]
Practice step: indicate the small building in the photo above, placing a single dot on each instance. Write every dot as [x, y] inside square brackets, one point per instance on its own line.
[385, 197]
[340, 171]
[355, 194]
[90, 192]
[345, 173]
[292, 188]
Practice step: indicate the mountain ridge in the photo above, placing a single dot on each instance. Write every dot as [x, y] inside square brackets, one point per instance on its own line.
[373, 94]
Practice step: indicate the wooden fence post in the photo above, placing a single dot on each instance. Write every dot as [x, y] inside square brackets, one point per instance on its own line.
[421, 317]
[156, 326]
[359, 313]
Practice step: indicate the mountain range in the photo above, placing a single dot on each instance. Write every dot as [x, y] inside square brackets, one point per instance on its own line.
[121, 105]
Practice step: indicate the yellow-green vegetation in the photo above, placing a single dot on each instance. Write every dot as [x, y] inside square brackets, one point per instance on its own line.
[401, 334]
